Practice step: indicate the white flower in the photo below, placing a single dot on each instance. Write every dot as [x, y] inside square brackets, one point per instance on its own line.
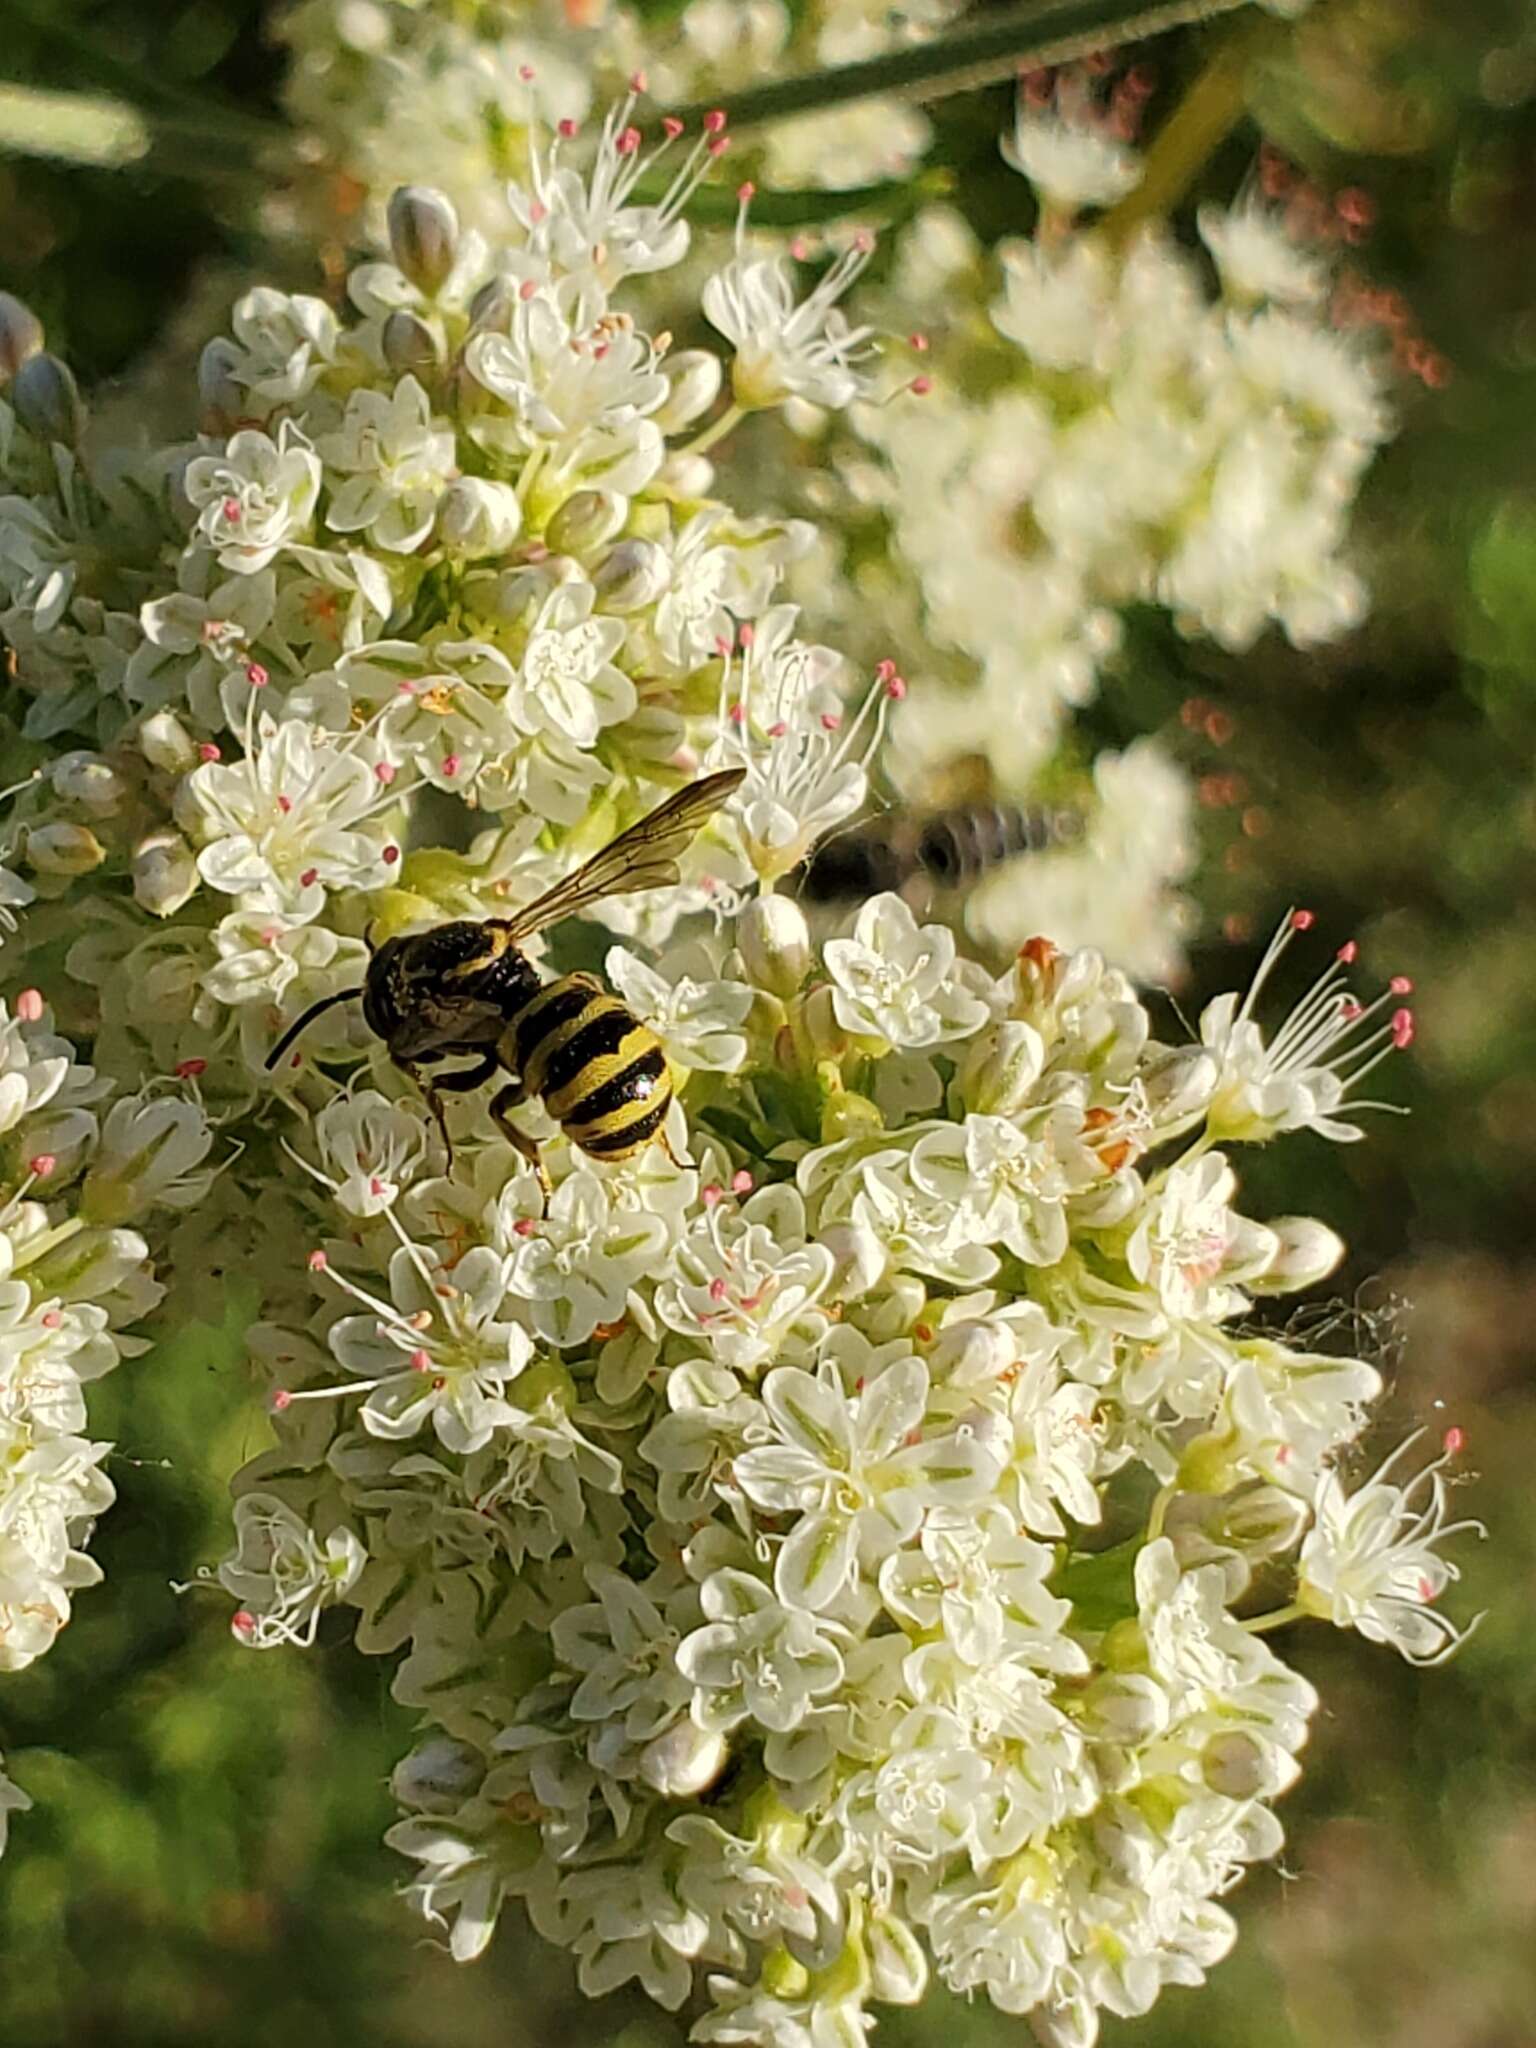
[788, 347]
[1006, 1187]
[1323, 1050]
[1072, 165]
[440, 1351]
[625, 1651]
[371, 1147]
[256, 498]
[755, 1659]
[292, 819]
[745, 1280]
[283, 1574]
[1257, 259]
[716, 575]
[857, 1470]
[896, 982]
[697, 1021]
[569, 684]
[446, 708]
[575, 1264]
[1189, 1246]
[397, 460]
[152, 1149]
[1370, 1561]
[977, 1580]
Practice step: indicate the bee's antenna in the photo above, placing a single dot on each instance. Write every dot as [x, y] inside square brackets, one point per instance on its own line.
[302, 1023]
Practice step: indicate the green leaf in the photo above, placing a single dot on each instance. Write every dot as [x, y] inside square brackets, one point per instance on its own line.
[1101, 1584]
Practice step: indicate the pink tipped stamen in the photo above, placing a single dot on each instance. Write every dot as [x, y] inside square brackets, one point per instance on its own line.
[1348, 953]
[568, 129]
[256, 675]
[451, 765]
[920, 386]
[714, 121]
[1402, 1029]
[385, 772]
[30, 1006]
[524, 1227]
[712, 1195]
[1303, 920]
[717, 1290]
[742, 1183]
[390, 855]
[1400, 985]
[42, 1165]
[207, 751]
[671, 127]
[317, 1262]
[188, 1070]
[1455, 1442]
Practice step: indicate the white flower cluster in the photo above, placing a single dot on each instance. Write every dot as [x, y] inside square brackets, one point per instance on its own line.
[1105, 431]
[391, 92]
[438, 598]
[453, 547]
[847, 1554]
[73, 1276]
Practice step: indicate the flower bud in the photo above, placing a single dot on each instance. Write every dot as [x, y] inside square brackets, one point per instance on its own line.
[423, 235]
[1125, 1706]
[166, 744]
[695, 376]
[64, 849]
[818, 1020]
[587, 519]
[477, 517]
[999, 1072]
[438, 1776]
[409, 344]
[1238, 1766]
[974, 1353]
[684, 1761]
[1265, 1521]
[47, 400]
[845, 1114]
[775, 944]
[631, 576]
[1181, 1083]
[21, 335]
[81, 777]
[898, 1969]
[686, 476]
[164, 873]
[900, 1304]
[858, 1259]
[222, 398]
[491, 309]
[1307, 1251]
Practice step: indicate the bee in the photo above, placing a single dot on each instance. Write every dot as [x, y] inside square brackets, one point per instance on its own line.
[950, 848]
[465, 990]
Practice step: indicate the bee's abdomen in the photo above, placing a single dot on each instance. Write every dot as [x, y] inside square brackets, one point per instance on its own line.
[959, 846]
[601, 1072]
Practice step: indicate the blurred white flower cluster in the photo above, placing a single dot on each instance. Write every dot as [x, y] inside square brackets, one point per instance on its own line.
[78, 1182]
[847, 1555]
[389, 92]
[1123, 423]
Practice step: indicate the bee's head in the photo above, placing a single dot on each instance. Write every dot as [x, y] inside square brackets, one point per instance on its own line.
[381, 990]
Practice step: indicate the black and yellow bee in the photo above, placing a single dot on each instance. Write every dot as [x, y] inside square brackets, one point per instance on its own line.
[464, 990]
[949, 848]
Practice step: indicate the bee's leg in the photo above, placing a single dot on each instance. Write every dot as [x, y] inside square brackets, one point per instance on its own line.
[502, 1102]
[453, 1084]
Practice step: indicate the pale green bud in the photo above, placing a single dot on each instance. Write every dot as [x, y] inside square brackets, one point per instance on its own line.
[166, 744]
[409, 344]
[999, 1072]
[775, 944]
[684, 1761]
[1180, 1083]
[858, 1259]
[64, 849]
[21, 335]
[438, 1776]
[587, 519]
[1306, 1252]
[686, 476]
[1265, 1521]
[164, 873]
[1237, 1766]
[89, 780]
[695, 376]
[898, 1969]
[423, 235]
[1125, 1706]
[631, 575]
[974, 1353]
[477, 517]
[47, 400]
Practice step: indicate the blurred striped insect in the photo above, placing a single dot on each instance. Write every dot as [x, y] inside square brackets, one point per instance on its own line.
[952, 847]
[465, 990]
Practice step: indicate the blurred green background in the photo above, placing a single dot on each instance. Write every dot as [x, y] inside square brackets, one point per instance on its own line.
[204, 1864]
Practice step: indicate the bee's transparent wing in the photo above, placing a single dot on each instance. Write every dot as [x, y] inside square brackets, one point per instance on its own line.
[644, 857]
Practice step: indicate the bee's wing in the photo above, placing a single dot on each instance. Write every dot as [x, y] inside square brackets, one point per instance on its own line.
[644, 857]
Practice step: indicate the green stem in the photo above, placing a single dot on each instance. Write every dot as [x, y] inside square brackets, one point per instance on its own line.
[1027, 36]
[1159, 1514]
[1196, 129]
[1261, 1624]
[703, 442]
